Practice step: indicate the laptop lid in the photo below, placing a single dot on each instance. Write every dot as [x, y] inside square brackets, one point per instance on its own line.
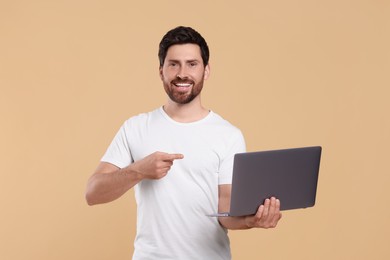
[290, 175]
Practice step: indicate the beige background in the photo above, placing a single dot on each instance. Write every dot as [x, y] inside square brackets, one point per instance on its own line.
[288, 73]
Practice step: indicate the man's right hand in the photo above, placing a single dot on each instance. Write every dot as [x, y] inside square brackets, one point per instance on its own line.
[109, 182]
[155, 165]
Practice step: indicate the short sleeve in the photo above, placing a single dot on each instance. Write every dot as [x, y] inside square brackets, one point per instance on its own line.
[118, 153]
[237, 145]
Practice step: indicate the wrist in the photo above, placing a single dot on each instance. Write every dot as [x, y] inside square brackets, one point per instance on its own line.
[247, 222]
[132, 172]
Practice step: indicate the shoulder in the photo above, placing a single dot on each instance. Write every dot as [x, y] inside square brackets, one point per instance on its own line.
[223, 124]
[225, 133]
[142, 118]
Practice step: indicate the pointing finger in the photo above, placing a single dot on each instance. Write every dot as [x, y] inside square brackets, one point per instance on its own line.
[174, 156]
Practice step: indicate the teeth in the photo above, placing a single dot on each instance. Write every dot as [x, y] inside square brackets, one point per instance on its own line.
[183, 84]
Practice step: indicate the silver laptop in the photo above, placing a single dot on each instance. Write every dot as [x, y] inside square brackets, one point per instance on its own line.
[290, 175]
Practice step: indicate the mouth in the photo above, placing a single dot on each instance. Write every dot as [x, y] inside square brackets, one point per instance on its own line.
[183, 86]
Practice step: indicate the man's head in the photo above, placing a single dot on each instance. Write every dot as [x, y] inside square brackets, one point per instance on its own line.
[183, 35]
[183, 64]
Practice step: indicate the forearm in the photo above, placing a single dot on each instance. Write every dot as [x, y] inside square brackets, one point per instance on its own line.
[109, 182]
[224, 192]
[233, 223]
[106, 187]
[267, 215]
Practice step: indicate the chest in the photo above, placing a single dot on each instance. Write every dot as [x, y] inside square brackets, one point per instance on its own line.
[203, 148]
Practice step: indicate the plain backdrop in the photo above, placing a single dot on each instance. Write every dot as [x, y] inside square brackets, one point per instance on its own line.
[287, 73]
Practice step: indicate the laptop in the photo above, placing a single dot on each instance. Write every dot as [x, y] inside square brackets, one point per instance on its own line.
[290, 175]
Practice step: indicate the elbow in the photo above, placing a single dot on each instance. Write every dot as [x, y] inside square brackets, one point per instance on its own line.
[90, 194]
[89, 199]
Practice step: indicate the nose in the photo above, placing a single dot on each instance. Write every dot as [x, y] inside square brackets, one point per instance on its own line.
[181, 74]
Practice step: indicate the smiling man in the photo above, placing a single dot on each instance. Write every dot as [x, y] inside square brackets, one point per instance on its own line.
[183, 73]
[179, 159]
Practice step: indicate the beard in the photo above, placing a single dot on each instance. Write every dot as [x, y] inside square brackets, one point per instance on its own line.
[183, 97]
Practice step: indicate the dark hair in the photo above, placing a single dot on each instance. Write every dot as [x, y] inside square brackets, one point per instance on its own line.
[183, 35]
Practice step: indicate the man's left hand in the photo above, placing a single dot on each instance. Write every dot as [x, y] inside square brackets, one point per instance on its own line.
[267, 215]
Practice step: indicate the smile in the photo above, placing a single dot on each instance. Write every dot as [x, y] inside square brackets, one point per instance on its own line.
[183, 85]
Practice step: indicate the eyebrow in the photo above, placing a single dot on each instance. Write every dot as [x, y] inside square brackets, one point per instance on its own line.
[187, 61]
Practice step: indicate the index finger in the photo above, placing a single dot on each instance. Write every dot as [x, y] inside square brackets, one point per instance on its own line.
[173, 156]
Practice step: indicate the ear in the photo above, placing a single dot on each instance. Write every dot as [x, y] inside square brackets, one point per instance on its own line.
[206, 72]
[160, 71]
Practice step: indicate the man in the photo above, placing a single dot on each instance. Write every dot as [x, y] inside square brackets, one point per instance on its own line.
[179, 159]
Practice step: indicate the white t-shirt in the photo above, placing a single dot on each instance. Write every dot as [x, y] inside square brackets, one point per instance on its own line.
[171, 212]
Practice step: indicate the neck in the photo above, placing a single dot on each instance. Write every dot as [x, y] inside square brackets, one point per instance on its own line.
[186, 113]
